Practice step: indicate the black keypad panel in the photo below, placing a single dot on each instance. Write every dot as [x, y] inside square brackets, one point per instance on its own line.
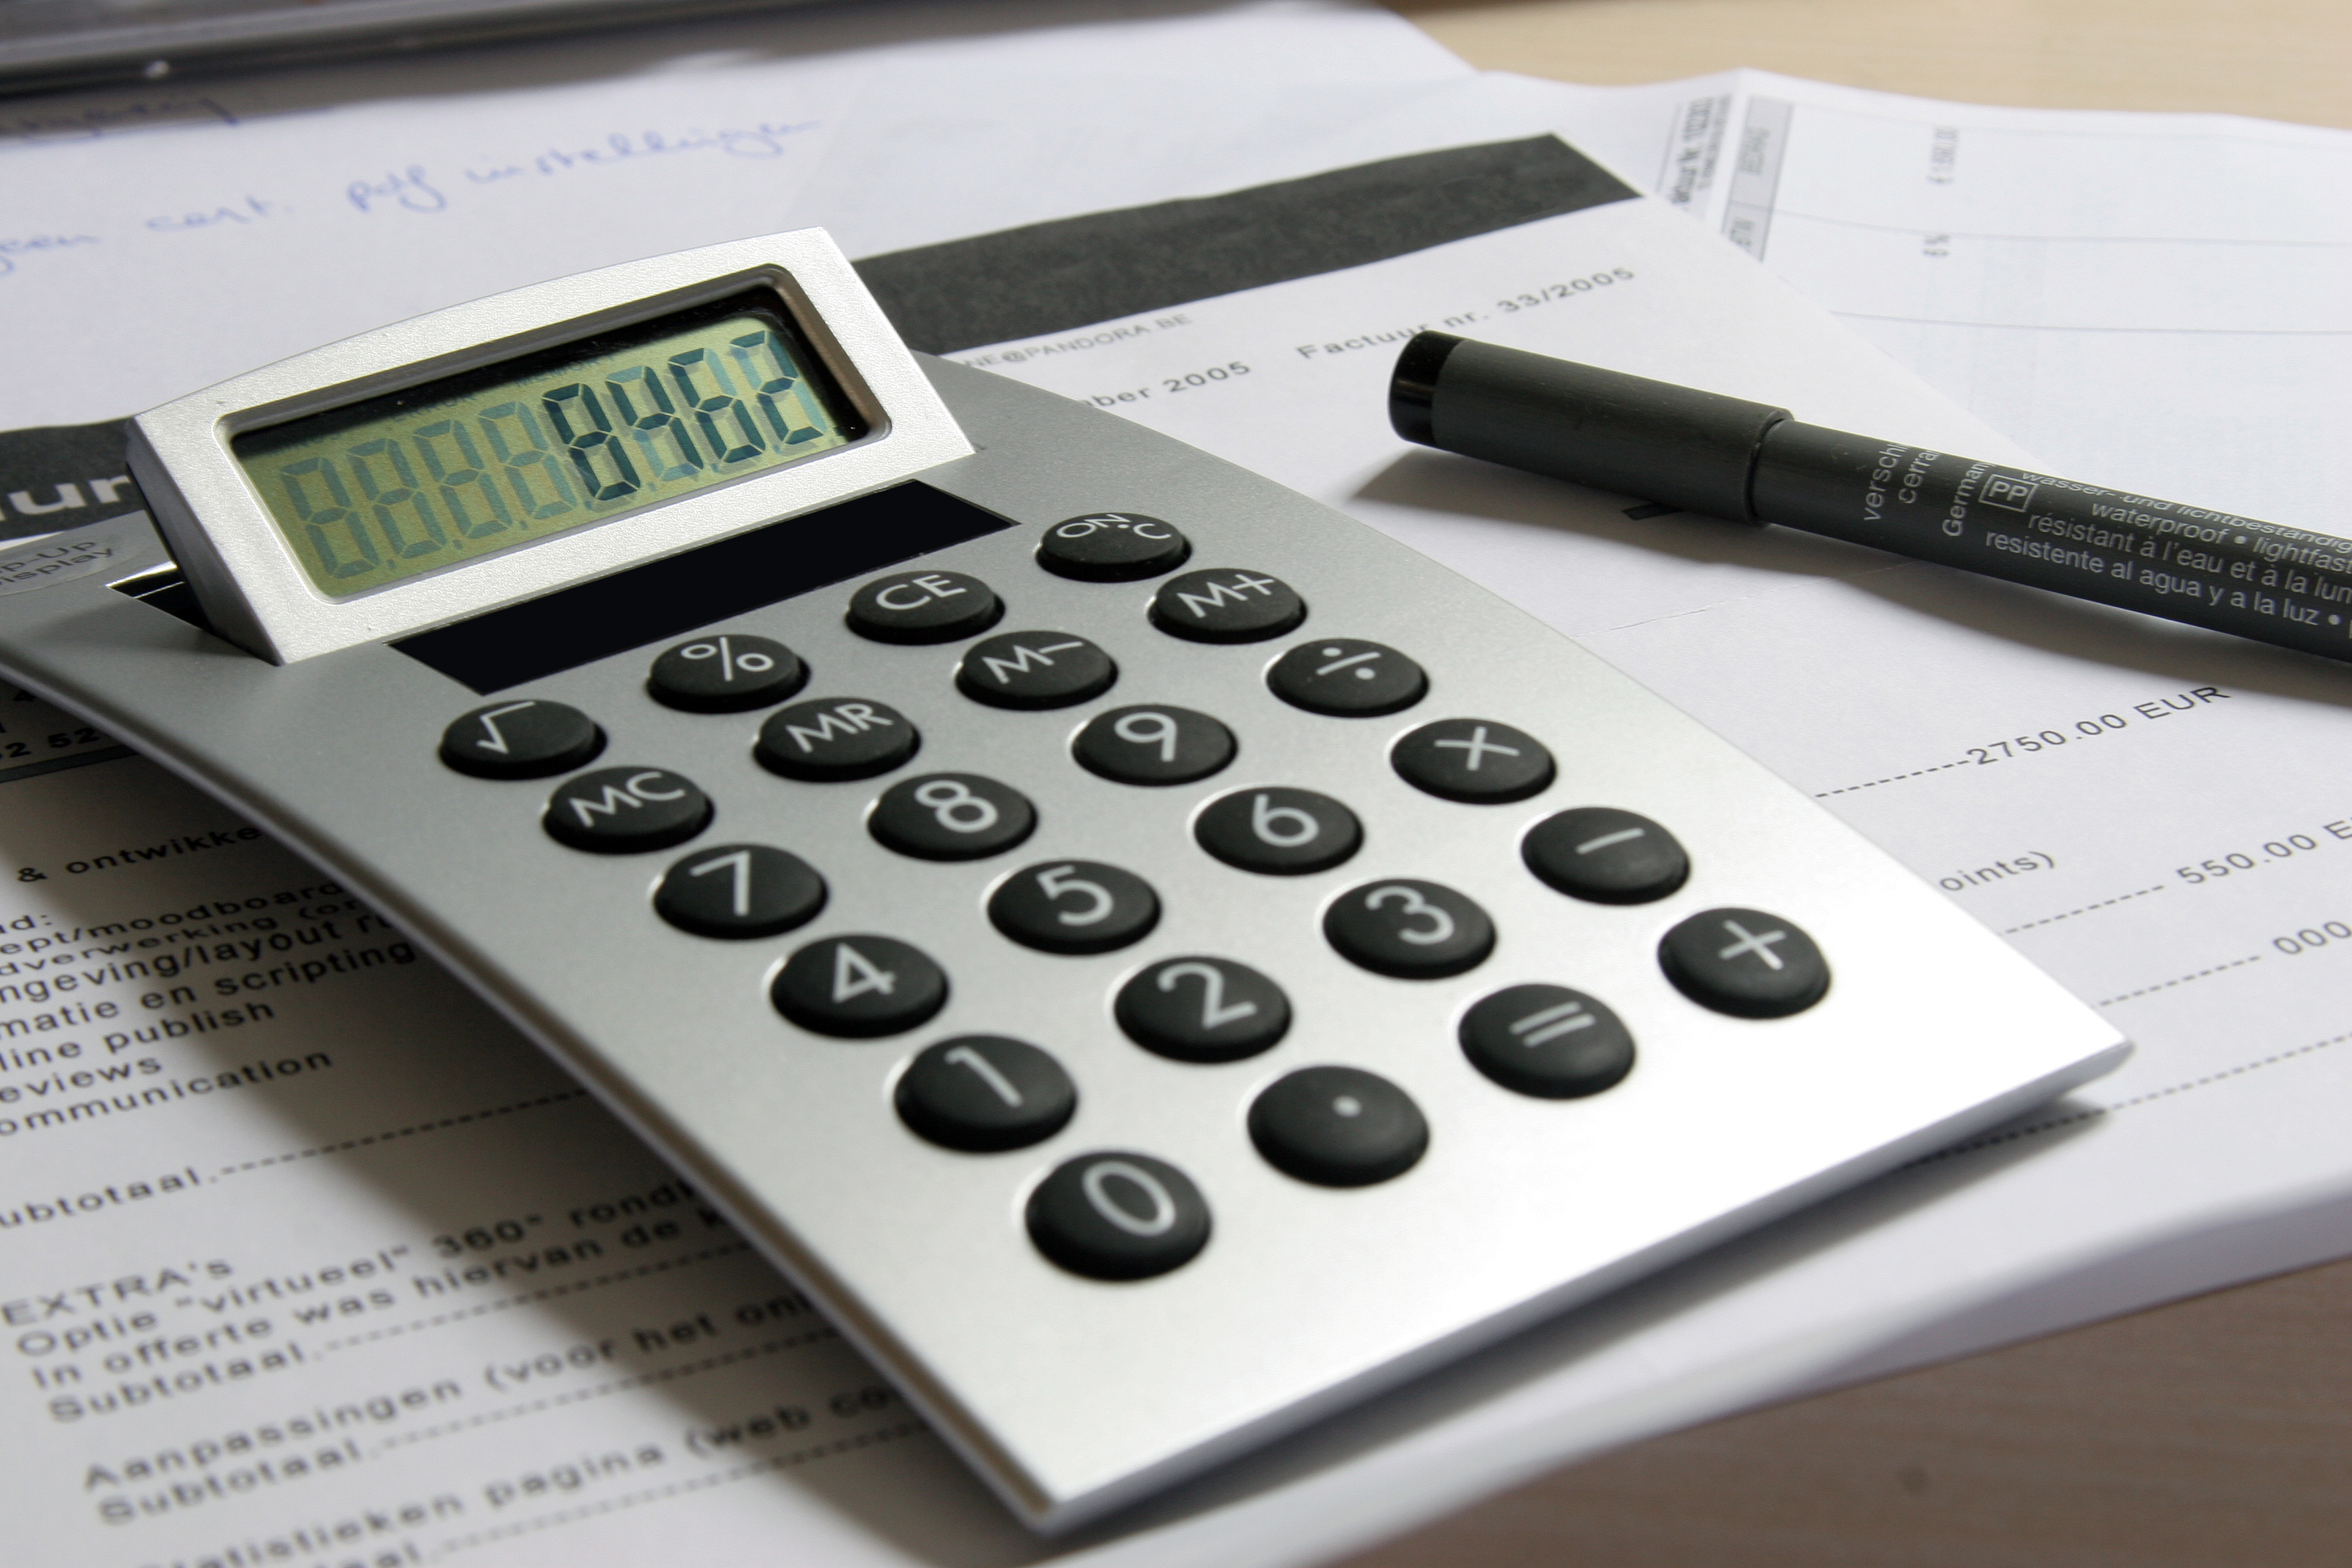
[624, 811]
[739, 890]
[951, 816]
[1119, 1215]
[1475, 761]
[1347, 677]
[1548, 1041]
[1415, 931]
[1338, 1127]
[1745, 962]
[924, 608]
[1196, 1009]
[1112, 547]
[730, 673]
[859, 987]
[983, 1093]
[1034, 670]
[1226, 605]
[1075, 906]
[1606, 856]
[1279, 832]
[525, 740]
[836, 738]
[1153, 745]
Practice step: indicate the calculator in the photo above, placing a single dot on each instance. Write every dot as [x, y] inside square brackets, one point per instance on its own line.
[1156, 959]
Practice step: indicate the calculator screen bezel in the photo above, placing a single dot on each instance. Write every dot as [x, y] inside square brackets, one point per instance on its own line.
[256, 592]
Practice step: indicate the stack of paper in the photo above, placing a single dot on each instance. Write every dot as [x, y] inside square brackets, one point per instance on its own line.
[381, 1284]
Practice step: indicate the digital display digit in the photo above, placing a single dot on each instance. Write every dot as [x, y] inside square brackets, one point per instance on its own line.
[492, 459]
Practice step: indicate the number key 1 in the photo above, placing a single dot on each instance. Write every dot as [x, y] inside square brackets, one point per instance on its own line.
[983, 1093]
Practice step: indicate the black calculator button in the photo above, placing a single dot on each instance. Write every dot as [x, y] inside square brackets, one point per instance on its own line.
[1473, 760]
[1153, 745]
[1745, 962]
[1119, 1215]
[951, 816]
[860, 986]
[1112, 547]
[1347, 677]
[1548, 1041]
[726, 674]
[1226, 605]
[1415, 931]
[739, 891]
[836, 738]
[1075, 906]
[981, 1093]
[526, 740]
[1034, 670]
[924, 608]
[1279, 832]
[621, 811]
[1606, 856]
[1202, 1010]
[1338, 1127]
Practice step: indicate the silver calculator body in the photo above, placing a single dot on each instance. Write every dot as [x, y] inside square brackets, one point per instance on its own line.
[1072, 1389]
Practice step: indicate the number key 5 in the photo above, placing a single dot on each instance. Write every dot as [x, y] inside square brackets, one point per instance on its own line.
[1075, 906]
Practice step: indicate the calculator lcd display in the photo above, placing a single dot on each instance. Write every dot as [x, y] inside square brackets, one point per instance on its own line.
[499, 456]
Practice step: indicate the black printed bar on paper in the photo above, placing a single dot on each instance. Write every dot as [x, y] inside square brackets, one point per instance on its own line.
[1053, 276]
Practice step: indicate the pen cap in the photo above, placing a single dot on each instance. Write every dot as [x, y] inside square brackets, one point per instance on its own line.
[1667, 444]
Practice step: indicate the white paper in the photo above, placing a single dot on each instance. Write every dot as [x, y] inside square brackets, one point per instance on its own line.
[158, 244]
[628, 1400]
[2158, 302]
[429, 1300]
[457, 1129]
[2154, 812]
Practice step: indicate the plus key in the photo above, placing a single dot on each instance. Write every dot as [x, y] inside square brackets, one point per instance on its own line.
[1745, 962]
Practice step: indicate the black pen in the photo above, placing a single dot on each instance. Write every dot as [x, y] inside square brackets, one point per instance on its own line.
[1701, 451]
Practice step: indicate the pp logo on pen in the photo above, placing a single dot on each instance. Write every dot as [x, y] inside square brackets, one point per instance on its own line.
[2001, 490]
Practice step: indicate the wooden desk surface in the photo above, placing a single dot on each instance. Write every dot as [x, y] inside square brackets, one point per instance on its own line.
[2214, 1433]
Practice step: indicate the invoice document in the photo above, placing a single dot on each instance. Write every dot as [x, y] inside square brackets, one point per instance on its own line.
[2152, 812]
[491, 1325]
[2159, 300]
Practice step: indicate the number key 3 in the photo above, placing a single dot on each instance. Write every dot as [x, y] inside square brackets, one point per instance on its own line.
[1415, 931]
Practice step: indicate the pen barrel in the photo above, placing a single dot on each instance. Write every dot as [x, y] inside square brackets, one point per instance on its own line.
[1670, 443]
[2210, 569]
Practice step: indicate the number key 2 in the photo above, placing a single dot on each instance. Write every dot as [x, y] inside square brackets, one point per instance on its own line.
[1196, 1009]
